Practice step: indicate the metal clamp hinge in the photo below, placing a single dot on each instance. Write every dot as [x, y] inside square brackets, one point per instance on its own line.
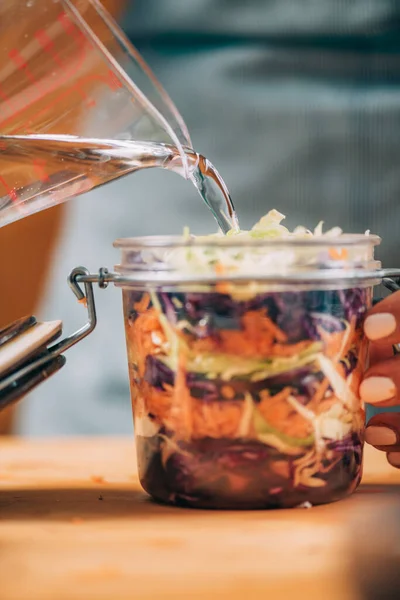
[78, 276]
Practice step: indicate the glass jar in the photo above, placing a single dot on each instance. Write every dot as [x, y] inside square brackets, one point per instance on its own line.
[244, 378]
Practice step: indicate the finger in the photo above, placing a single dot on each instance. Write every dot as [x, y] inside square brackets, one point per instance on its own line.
[383, 320]
[379, 352]
[394, 459]
[381, 383]
[383, 432]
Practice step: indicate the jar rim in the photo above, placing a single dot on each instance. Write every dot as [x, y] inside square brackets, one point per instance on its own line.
[162, 260]
[175, 241]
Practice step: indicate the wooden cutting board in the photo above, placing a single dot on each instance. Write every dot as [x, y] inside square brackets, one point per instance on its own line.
[74, 523]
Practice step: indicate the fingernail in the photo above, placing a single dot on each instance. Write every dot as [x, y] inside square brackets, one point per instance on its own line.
[394, 458]
[380, 436]
[379, 326]
[377, 389]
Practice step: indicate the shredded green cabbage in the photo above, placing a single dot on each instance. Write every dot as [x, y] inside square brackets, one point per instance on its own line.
[227, 366]
[253, 259]
[269, 226]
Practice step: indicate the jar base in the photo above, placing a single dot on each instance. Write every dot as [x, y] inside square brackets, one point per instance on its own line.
[233, 491]
[201, 504]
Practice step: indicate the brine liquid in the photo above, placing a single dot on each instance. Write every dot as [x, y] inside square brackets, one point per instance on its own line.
[37, 172]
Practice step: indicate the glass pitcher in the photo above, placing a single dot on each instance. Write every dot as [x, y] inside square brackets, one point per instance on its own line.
[78, 106]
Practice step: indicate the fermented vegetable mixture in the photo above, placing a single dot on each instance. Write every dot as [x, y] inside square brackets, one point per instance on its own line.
[247, 400]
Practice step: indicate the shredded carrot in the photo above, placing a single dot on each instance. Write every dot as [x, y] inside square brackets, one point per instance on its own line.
[256, 338]
[332, 341]
[227, 392]
[83, 301]
[222, 287]
[208, 344]
[338, 343]
[335, 254]
[181, 399]
[140, 338]
[143, 303]
[240, 343]
[340, 368]
[277, 398]
[219, 268]
[156, 402]
[190, 417]
[277, 411]
[216, 419]
[180, 380]
[257, 322]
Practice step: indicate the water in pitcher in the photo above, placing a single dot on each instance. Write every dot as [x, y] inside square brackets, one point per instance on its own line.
[66, 166]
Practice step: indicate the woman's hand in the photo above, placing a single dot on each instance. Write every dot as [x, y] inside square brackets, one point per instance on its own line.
[381, 382]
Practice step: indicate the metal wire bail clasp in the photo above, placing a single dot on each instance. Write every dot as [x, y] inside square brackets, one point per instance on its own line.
[87, 298]
[42, 357]
[80, 275]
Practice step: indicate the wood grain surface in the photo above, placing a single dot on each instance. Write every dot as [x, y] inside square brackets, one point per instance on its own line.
[74, 523]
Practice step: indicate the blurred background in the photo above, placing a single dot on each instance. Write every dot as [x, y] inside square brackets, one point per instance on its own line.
[296, 102]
